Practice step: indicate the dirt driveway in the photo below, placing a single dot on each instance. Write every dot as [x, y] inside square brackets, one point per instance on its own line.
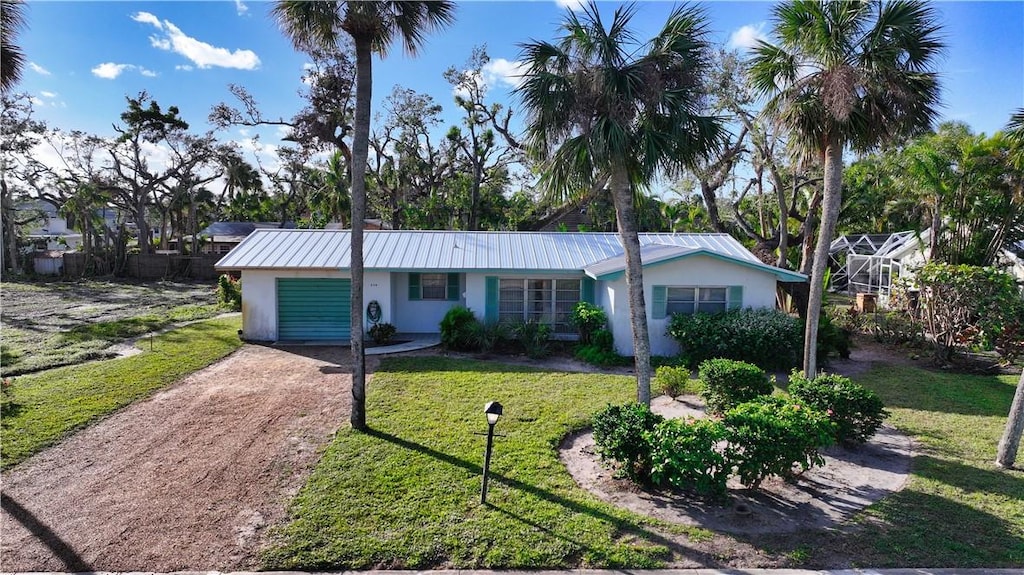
[188, 479]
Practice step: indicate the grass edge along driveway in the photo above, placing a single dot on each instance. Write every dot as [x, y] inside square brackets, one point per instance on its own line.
[43, 408]
[406, 495]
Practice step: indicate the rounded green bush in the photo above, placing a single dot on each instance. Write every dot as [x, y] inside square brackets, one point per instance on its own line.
[620, 436]
[856, 411]
[765, 337]
[458, 329]
[689, 455]
[728, 383]
[770, 435]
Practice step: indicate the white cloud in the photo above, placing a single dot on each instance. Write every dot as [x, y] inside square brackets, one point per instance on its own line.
[184, 67]
[46, 94]
[37, 102]
[200, 53]
[747, 37]
[147, 73]
[574, 5]
[283, 132]
[147, 18]
[38, 69]
[500, 71]
[110, 70]
[241, 7]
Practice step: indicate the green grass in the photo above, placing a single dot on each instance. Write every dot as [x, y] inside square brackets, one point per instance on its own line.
[406, 495]
[958, 509]
[43, 408]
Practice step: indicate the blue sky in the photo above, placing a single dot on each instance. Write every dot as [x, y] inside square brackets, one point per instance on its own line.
[87, 56]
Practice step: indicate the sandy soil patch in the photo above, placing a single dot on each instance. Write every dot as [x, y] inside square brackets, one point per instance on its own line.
[189, 479]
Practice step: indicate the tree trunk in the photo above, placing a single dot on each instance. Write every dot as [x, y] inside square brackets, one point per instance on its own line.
[1010, 442]
[360, 150]
[10, 229]
[833, 197]
[145, 246]
[622, 196]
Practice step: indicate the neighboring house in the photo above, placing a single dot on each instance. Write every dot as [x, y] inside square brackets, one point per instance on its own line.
[870, 263]
[296, 283]
[50, 233]
[222, 237]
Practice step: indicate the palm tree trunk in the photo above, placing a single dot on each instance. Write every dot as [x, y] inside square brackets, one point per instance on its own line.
[622, 196]
[1010, 441]
[832, 201]
[360, 150]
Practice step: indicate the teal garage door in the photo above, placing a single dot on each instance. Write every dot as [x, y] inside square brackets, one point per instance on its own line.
[313, 309]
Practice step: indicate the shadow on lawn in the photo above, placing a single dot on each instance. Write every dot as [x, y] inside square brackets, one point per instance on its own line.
[61, 549]
[942, 392]
[569, 504]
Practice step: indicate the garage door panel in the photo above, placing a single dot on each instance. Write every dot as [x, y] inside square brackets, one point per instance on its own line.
[313, 309]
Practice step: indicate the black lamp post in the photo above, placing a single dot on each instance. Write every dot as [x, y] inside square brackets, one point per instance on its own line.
[493, 411]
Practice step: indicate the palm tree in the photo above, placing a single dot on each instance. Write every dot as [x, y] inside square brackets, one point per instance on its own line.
[372, 27]
[598, 110]
[12, 59]
[846, 74]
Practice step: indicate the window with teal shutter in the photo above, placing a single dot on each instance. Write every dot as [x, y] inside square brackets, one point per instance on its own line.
[659, 302]
[491, 299]
[414, 287]
[735, 297]
[453, 287]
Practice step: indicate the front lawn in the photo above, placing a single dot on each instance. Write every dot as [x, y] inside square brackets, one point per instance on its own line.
[406, 495]
[42, 408]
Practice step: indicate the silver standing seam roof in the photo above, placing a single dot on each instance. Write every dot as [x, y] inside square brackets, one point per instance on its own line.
[408, 250]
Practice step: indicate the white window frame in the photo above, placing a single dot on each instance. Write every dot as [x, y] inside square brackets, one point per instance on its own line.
[443, 287]
[550, 315]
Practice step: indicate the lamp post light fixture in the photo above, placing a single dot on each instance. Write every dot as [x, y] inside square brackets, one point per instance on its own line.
[493, 411]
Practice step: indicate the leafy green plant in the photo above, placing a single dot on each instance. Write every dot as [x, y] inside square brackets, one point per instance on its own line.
[728, 383]
[689, 454]
[769, 436]
[620, 433]
[600, 356]
[765, 337]
[673, 381]
[229, 292]
[382, 333]
[966, 305]
[587, 318]
[487, 336]
[897, 328]
[603, 339]
[832, 339]
[458, 327]
[856, 411]
[534, 337]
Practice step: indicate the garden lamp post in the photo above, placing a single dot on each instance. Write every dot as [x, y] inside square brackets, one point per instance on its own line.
[493, 411]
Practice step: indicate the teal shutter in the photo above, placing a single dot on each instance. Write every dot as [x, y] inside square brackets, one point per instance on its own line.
[491, 299]
[414, 287]
[659, 302]
[735, 295]
[453, 287]
[587, 290]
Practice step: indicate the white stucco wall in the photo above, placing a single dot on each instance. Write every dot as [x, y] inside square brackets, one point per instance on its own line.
[758, 292]
[259, 299]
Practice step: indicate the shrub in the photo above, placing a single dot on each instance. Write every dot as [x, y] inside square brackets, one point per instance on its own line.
[486, 337]
[675, 380]
[229, 292]
[728, 383]
[856, 411]
[966, 305]
[832, 339]
[770, 435]
[602, 357]
[457, 329]
[587, 318]
[897, 328]
[768, 338]
[533, 336]
[620, 433]
[382, 333]
[603, 339]
[689, 455]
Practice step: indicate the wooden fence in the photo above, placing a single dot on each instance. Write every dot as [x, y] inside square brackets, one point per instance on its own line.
[152, 266]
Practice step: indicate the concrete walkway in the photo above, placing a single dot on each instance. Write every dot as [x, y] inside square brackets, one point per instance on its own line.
[866, 571]
[416, 341]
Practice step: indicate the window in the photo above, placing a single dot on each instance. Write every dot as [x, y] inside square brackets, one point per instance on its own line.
[433, 286]
[668, 300]
[545, 301]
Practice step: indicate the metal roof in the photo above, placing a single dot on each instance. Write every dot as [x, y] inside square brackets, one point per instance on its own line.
[454, 250]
